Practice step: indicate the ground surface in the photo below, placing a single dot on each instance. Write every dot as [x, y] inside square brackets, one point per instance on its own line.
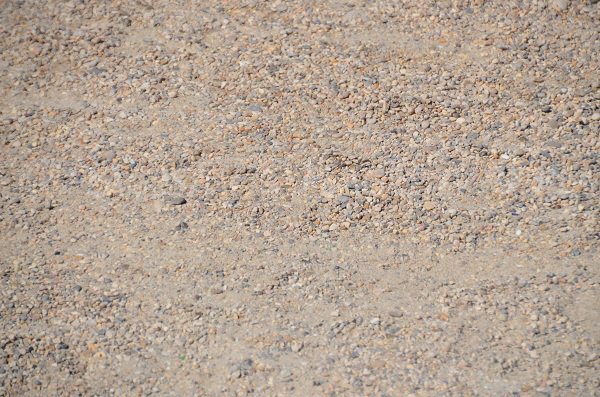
[380, 198]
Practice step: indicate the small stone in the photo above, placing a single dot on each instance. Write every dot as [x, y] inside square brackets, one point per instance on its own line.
[343, 199]
[182, 227]
[392, 330]
[175, 200]
[108, 155]
[428, 206]
[216, 290]
[560, 5]
[378, 173]
[235, 372]
[285, 375]
[297, 346]
[242, 369]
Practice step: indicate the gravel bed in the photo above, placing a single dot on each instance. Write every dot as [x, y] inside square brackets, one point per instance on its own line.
[334, 197]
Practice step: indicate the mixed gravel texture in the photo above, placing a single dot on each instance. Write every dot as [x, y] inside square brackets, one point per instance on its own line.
[387, 198]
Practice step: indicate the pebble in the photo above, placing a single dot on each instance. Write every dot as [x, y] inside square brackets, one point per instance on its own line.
[428, 206]
[182, 226]
[560, 5]
[175, 200]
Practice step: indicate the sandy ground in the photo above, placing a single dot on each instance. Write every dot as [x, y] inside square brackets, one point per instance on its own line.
[388, 198]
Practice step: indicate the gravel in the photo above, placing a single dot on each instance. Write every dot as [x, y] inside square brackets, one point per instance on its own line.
[299, 198]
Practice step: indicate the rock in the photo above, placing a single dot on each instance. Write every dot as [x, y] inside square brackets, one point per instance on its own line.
[174, 200]
[182, 226]
[428, 206]
[343, 199]
[285, 375]
[297, 346]
[560, 5]
[242, 369]
[216, 290]
[392, 330]
[377, 173]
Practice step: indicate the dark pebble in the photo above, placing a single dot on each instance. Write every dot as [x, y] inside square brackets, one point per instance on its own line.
[182, 227]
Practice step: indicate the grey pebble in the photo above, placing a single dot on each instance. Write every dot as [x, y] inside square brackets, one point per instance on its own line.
[175, 200]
